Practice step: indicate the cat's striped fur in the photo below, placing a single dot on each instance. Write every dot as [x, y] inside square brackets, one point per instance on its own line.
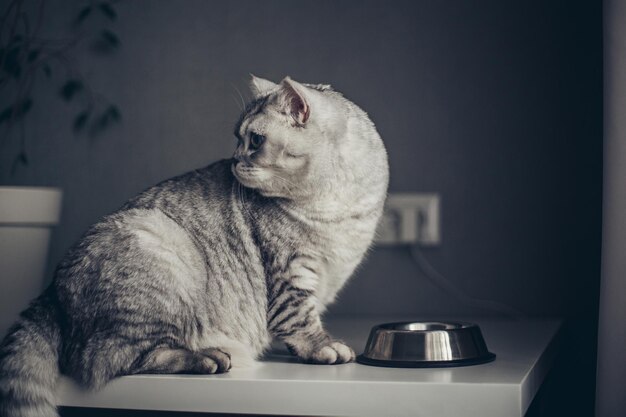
[199, 272]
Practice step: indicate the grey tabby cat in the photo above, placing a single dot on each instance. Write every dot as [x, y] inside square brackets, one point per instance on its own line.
[199, 272]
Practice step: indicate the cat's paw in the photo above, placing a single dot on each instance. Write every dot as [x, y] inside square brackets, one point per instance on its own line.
[213, 361]
[333, 353]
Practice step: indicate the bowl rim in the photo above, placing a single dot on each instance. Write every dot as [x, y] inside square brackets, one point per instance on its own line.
[459, 325]
[390, 363]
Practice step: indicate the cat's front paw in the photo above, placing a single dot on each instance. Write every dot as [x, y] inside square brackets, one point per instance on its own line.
[333, 353]
[213, 361]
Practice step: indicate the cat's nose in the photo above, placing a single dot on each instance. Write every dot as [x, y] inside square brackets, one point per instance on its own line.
[242, 157]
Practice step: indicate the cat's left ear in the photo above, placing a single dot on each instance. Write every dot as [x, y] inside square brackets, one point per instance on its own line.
[260, 86]
[294, 95]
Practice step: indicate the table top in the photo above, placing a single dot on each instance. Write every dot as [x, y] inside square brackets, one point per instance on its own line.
[280, 385]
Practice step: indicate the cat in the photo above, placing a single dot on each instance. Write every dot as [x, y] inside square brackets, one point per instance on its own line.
[200, 272]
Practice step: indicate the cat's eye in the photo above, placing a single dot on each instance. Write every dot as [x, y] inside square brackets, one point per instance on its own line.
[256, 140]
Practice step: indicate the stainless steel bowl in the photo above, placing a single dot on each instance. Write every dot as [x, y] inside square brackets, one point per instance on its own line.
[425, 344]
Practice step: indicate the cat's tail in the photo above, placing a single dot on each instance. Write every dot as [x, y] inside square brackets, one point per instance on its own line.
[29, 361]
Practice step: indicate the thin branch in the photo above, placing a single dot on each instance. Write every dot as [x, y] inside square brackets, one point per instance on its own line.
[6, 15]
[12, 30]
[40, 12]
[33, 53]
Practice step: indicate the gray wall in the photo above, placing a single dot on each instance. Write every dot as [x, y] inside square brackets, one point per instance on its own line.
[610, 399]
[495, 105]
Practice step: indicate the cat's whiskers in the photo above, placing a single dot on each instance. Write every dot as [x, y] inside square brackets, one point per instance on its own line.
[243, 102]
[290, 185]
[236, 102]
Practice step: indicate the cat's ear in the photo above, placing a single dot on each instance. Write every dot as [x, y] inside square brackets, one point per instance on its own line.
[260, 86]
[294, 96]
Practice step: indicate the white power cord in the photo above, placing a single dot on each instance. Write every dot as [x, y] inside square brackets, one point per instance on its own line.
[450, 288]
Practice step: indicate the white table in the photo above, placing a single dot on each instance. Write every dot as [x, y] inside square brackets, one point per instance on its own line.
[525, 352]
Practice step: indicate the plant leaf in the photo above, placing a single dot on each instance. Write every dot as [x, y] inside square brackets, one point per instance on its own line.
[20, 110]
[81, 120]
[103, 121]
[108, 10]
[5, 115]
[12, 65]
[70, 88]
[21, 158]
[114, 113]
[106, 42]
[83, 14]
[111, 38]
[32, 55]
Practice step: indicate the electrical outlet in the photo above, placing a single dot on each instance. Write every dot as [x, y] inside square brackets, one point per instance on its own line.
[410, 218]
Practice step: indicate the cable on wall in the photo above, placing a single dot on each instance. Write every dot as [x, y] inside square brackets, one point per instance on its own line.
[437, 279]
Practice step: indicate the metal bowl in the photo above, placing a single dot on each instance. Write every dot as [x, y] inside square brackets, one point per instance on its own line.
[425, 344]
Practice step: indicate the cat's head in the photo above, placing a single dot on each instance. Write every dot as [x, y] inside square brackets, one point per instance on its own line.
[294, 139]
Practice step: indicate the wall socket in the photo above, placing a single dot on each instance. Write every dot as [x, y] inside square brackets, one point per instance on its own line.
[410, 218]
